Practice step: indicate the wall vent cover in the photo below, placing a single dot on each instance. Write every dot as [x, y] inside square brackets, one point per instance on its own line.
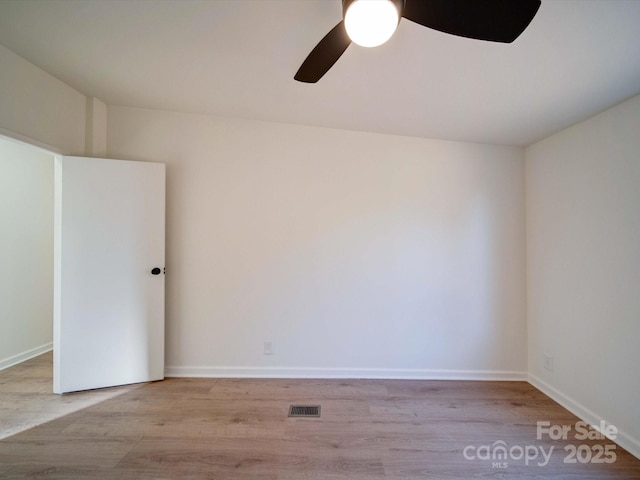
[304, 410]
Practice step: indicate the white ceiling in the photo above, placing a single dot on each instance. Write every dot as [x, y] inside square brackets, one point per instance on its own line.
[238, 57]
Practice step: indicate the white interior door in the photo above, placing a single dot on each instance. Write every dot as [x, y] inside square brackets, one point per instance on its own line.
[108, 300]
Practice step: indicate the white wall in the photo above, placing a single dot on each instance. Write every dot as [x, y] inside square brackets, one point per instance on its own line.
[355, 253]
[583, 258]
[26, 252]
[40, 107]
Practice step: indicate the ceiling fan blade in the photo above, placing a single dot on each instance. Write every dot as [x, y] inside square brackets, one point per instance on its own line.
[324, 55]
[493, 20]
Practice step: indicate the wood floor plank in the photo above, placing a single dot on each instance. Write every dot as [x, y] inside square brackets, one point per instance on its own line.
[92, 473]
[250, 456]
[199, 428]
[291, 389]
[52, 451]
[175, 425]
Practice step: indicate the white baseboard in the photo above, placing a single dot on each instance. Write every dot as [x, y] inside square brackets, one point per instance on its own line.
[626, 441]
[21, 357]
[358, 373]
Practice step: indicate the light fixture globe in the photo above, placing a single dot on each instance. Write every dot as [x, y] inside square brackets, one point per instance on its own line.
[370, 23]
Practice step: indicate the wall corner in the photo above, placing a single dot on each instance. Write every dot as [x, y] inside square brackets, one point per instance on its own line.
[96, 128]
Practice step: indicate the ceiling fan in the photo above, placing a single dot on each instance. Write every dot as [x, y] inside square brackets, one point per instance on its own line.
[371, 22]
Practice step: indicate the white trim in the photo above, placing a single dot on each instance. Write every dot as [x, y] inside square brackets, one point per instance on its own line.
[57, 269]
[21, 357]
[373, 373]
[626, 441]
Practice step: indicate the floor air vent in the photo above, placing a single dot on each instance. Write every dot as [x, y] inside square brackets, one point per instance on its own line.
[304, 410]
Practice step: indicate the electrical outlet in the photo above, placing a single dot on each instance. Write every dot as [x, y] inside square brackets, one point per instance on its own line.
[268, 348]
[548, 361]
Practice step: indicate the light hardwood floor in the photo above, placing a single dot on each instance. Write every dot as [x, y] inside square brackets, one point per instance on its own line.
[26, 400]
[238, 429]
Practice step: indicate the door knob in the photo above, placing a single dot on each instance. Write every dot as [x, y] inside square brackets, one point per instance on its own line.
[156, 271]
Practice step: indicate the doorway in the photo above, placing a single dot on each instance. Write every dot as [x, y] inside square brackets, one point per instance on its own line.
[26, 251]
[29, 212]
[82, 262]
